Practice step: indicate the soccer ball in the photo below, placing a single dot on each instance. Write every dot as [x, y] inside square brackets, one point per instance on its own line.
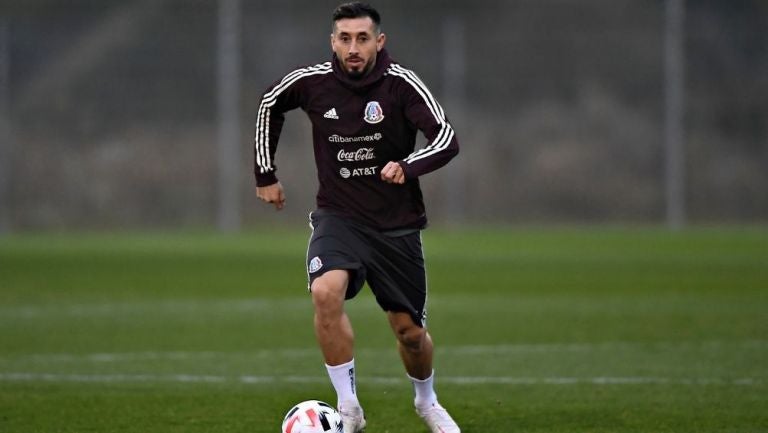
[312, 416]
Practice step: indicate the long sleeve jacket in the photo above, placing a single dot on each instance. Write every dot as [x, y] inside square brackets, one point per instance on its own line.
[358, 125]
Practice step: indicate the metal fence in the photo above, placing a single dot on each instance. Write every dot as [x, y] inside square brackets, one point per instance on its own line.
[123, 114]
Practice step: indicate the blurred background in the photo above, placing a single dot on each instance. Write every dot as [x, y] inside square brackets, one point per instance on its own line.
[139, 114]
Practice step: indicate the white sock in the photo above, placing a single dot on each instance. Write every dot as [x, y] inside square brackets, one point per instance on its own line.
[343, 380]
[425, 391]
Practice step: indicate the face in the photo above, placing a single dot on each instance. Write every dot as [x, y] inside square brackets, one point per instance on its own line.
[356, 44]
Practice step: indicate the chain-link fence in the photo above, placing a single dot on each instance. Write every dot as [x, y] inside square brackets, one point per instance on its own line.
[109, 115]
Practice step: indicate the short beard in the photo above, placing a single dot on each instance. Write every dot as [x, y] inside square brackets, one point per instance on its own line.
[356, 75]
[360, 73]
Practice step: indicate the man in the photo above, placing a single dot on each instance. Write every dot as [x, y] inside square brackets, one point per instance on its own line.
[365, 111]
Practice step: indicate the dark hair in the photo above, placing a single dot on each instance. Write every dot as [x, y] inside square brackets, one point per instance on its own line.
[356, 10]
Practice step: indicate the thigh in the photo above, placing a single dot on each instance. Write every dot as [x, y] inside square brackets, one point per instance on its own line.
[331, 247]
[397, 275]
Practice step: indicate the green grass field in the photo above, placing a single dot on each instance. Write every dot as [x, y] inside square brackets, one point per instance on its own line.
[542, 330]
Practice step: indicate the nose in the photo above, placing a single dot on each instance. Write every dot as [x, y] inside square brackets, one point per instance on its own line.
[353, 47]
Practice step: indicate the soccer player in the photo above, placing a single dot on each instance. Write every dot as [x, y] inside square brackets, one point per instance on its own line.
[365, 111]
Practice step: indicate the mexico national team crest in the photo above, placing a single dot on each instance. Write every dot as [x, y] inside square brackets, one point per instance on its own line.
[315, 264]
[373, 112]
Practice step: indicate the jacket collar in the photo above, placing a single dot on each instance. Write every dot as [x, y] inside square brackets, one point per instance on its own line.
[377, 73]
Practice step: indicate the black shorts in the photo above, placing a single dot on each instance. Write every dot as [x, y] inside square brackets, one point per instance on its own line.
[391, 263]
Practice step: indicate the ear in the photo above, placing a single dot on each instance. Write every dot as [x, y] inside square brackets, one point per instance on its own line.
[380, 41]
[331, 41]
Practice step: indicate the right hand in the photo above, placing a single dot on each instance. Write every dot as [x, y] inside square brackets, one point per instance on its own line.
[272, 194]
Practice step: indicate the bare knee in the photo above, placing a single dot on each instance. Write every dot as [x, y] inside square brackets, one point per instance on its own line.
[324, 296]
[410, 336]
[328, 293]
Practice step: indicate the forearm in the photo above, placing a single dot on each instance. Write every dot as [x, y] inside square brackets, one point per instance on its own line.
[429, 160]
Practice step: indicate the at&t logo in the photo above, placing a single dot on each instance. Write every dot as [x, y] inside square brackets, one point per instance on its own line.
[355, 172]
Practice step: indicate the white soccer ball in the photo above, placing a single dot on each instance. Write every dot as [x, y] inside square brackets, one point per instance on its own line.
[312, 416]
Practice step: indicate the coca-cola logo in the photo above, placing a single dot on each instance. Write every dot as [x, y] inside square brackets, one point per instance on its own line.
[362, 154]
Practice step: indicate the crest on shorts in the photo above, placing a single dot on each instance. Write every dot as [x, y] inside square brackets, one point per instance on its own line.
[373, 112]
[315, 264]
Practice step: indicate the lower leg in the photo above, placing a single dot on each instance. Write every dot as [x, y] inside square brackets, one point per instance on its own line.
[416, 349]
[335, 337]
[413, 343]
[417, 357]
[419, 368]
[334, 334]
[332, 326]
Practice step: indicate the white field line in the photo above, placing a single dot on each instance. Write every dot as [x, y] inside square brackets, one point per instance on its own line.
[459, 350]
[456, 380]
[174, 307]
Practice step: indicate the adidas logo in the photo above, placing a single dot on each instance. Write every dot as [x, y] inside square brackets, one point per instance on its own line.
[331, 114]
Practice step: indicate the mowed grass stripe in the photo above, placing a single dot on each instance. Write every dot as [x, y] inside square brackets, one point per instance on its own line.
[696, 362]
[488, 303]
[460, 380]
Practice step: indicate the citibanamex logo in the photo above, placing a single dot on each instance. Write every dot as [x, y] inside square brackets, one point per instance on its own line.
[362, 154]
[335, 138]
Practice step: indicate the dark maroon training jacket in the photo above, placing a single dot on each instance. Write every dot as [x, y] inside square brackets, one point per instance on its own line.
[358, 126]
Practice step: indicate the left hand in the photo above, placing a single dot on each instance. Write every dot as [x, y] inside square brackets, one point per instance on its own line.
[393, 173]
